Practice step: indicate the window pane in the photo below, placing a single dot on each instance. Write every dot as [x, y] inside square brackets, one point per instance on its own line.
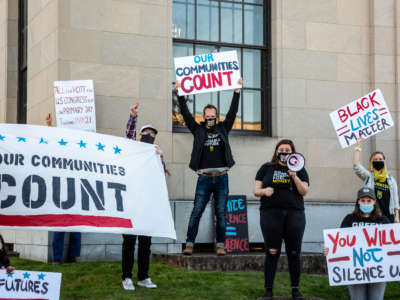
[251, 110]
[225, 103]
[231, 23]
[180, 50]
[177, 119]
[253, 24]
[252, 68]
[183, 14]
[254, 1]
[207, 20]
[201, 101]
[203, 49]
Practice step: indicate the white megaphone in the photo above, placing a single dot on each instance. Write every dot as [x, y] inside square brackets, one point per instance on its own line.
[295, 162]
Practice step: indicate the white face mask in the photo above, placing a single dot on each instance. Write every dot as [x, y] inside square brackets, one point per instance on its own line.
[282, 156]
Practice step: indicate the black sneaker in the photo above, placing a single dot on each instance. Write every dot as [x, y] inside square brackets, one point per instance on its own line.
[71, 259]
[267, 296]
[296, 295]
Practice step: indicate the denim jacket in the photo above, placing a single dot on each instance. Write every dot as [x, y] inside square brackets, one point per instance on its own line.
[368, 178]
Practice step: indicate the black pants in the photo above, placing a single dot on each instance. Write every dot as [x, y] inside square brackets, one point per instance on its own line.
[278, 225]
[128, 253]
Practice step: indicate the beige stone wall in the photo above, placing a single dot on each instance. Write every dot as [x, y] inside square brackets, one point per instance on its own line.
[3, 58]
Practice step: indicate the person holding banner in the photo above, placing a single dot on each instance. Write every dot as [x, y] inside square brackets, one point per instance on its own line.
[75, 238]
[377, 178]
[211, 159]
[147, 134]
[4, 261]
[366, 213]
[282, 217]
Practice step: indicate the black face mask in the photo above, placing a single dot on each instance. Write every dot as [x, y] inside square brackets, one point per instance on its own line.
[147, 138]
[282, 156]
[378, 165]
[211, 122]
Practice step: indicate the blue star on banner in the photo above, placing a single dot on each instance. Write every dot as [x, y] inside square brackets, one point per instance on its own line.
[100, 146]
[2, 137]
[21, 139]
[10, 275]
[63, 143]
[42, 141]
[117, 150]
[27, 275]
[41, 276]
[82, 144]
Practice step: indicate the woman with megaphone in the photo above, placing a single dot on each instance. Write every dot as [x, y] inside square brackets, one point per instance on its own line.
[378, 179]
[281, 185]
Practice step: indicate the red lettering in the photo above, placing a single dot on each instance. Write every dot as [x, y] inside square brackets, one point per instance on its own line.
[216, 80]
[353, 241]
[197, 82]
[350, 113]
[370, 240]
[334, 241]
[392, 237]
[187, 91]
[359, 107]
[362, 102]
[373, 101]
[384, 242]
[342, 115]
[228, 75]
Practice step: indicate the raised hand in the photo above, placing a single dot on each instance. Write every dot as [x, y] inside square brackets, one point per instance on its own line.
[48, 120]
[240, 81]
[177, 84]
[134, 110]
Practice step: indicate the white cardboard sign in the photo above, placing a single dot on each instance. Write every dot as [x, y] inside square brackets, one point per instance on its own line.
[364, 254]
[207, 72]
[75, 104]
[364, 117]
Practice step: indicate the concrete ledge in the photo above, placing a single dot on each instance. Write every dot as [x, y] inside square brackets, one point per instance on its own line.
[311, 263]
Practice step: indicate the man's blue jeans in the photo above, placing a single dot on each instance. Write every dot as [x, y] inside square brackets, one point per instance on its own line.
[74, 248]
[206, 186]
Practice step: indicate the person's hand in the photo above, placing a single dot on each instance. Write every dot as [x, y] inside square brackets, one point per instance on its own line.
[158, 150]
[134, 110]
[268, 191]
[177, 85]
[240, 81]
[325, 250]
[48, 120]
[396, 219]
[292, 174]
[10, 269]
[360, 141]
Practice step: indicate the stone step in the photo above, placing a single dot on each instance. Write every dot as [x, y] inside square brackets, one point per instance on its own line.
[312, 263]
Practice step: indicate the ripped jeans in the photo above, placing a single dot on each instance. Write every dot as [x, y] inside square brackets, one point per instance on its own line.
[287, 225]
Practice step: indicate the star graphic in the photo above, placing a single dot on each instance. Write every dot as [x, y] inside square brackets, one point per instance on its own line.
[63, 143]
[21, 139]
[10, 275]
[41, 276]
[117, 150]
[2, 137]
[42, 141]
[27, 275]
[82, 144]
[100, 146]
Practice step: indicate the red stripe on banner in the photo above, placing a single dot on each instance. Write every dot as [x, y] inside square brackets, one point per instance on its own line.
[341, 128]
[384, 113]
[23, 299]
[63, 221]
[343, 258]
[393, 253]
[383, 108]
[344, 132]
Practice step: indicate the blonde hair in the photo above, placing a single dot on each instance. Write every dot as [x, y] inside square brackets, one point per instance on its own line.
[372, 156]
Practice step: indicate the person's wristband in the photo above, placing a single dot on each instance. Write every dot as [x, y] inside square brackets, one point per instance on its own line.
[358, 149]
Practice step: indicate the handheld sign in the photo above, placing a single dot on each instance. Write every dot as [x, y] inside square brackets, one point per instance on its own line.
[363, 117]
[207, 72]
[75, 106]
[237, 233]
[363, 254]
[295, 162]
[29, 285]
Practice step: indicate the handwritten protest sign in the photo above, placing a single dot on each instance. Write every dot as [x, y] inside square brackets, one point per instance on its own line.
[60, 179]
[75, 105]
[363, 254]
[363, 117]
[29, 285]
[207, 73]
[237, 233]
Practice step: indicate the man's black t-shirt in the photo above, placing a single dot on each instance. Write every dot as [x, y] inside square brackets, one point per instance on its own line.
[213, 155]
[382, 193]
[285, 193]
[351, 220]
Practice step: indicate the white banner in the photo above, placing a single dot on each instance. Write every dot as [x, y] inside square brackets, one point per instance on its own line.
[207, 72]
[75, 105]
[363, 254]
[363, 117]
[29, 285]
[60, 179]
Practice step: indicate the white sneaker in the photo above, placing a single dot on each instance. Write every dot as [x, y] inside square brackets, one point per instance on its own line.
[127, 283]
[147, 283]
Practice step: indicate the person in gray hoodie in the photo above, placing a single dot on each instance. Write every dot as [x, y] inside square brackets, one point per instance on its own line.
[378, 179]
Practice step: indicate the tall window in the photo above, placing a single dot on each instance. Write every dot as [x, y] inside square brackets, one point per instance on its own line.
[204, 26]
[22, 60]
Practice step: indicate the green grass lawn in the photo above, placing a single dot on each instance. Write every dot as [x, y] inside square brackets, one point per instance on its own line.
[102, 280]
